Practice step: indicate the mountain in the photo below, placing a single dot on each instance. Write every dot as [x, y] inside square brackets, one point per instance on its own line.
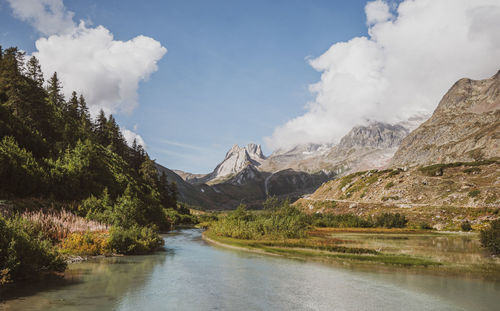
[364, 147]
[237, 158]
[190, 177]
[464, 127]
[246, 175]
[442, 171]
[188, 193]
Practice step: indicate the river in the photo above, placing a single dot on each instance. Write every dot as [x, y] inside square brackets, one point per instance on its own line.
[193, 275]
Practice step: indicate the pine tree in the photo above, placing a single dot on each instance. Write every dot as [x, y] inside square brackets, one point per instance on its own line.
[73, 106]
[34, 71]
[12, 82]
[85, 124]
[149, 173]
[100, 126]
[54, 90]
[115, 137]
[83, 109]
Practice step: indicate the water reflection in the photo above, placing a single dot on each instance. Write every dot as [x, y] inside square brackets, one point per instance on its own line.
[458, 248]
[91, 285]
[192, 275]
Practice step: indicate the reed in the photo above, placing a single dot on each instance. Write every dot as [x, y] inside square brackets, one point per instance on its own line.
[58, 225]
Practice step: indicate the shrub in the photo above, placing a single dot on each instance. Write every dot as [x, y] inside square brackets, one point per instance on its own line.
[424, 226]
[389, 185]
[472, 170]
[491, 199]
[20, 173]
[86, 243]
[490, 237]
[135, 240]
[388, 220]
[56, 226]
[389, 198]
[285, 222]
[24, 254]
[466, 226]
[394, 172]
[175, 217]
[474, 193]
[272, 203]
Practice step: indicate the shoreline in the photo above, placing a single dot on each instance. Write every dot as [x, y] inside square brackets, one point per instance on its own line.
[342, 261]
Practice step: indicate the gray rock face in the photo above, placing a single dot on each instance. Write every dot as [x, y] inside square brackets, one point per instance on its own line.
[238, 158]
[364, 147]
[464, 127]
[246, 175]
[375, 135]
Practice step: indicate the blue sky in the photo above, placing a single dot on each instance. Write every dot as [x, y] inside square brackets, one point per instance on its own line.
[240, 71]
[233, 72]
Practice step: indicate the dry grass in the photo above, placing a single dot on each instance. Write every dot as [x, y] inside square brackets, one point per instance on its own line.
[58, 225]
[323, 231]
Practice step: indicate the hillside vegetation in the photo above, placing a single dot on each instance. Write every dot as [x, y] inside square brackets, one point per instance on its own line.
[443, 195]
[55, 158]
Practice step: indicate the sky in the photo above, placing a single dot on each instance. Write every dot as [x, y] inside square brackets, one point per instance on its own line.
[190, 79]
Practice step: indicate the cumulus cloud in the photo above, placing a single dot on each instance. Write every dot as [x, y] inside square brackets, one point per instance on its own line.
[47, 16]
[88, 59]
[406, 64]
[377, 12]
[131, 135]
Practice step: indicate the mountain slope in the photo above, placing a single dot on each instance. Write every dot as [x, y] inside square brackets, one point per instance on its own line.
[464, 127]
[364, 147]
[188, 193]
[246, 175]
[460, 141]
[237, 158]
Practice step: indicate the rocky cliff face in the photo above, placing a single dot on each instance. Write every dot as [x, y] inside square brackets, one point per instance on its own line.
[375, 135]
[238, 158]
[246, 175]
[364, 147]
[464, 127]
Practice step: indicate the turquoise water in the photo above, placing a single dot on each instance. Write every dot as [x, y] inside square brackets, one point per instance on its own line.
[193, 275]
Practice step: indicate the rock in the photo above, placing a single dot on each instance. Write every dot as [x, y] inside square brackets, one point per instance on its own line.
[464, 127]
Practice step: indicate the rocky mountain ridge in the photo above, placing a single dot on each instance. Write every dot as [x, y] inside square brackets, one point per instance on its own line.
[464, 127]
[444, 170]
[247, 175]
[237, 159]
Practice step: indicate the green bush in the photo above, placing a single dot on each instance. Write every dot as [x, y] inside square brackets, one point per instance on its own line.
[424, 226]
[388, 220]
[284, 222]
[20, 174]
[466, 226]
[438, 169]
[179, 217]
[474, 193]
[472, 170]
[134, 240]
[490, 237]
[389, 185]
[25, 254]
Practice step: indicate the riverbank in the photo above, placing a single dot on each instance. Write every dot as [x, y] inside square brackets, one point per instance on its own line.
[191, 273]
[417, 250]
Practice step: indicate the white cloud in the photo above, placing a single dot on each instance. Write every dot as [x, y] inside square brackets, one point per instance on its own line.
[130, 136]
[47, 16]
[88, 59]
[403, 68]
[377, 12]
